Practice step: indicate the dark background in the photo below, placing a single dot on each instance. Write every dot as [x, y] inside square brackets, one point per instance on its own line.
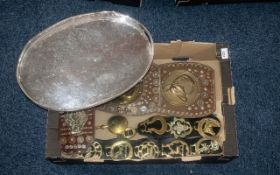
[251, 29]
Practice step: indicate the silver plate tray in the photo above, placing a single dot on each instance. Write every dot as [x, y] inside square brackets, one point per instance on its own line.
[84, 61]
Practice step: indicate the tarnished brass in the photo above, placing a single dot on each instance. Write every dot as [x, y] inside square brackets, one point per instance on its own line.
[154, 125]
[147, 150]
[207, 146]
[95, 151]
[179, 127]
[121, 150]
[116, 125]
[187, 89]
[176, 148]
[75, 121]
[142, 99]
[131, 95]
[206, 127]
[180, 88]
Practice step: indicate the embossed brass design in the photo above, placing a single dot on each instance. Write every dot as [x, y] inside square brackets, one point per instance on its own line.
[142, 99]
[180, 88]
[206, 127]
[154, 125]
[207, 146]
[176, 148]
[95, 151]
[121, 150]
[75, 121]
[179, 127]
[187, 89]
[147, 150]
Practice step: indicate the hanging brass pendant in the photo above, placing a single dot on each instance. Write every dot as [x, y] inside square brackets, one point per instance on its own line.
[116, 125]
[121, 150]
[147, 150]
[206, 127]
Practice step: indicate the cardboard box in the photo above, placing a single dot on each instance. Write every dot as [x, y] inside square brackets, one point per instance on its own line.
[212, 55]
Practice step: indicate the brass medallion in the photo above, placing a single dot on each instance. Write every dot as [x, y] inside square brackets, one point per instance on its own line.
[207, 146]
[176, 148]
[179, 127]
[121, 150]
[187, 89]
[208, 127]
[180, 88]
[147, 150]
[95, 151]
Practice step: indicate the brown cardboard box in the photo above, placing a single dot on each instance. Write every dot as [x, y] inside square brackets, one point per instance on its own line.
[214, 55]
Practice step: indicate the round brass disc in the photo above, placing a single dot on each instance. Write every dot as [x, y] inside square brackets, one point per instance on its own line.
[117, 124]
[121, 150]
[180, 88]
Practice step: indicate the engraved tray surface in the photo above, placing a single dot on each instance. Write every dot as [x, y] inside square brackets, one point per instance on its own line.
[79, 62]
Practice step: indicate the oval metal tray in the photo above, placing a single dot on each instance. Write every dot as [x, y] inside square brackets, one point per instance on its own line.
[84, 61]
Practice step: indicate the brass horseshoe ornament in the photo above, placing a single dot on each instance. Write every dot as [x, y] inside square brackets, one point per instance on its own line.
[208, 127]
